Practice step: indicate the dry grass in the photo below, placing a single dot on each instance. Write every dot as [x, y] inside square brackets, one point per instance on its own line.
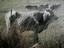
[52, 37]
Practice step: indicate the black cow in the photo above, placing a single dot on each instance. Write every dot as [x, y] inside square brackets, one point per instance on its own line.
[30, 24]
[37, 21]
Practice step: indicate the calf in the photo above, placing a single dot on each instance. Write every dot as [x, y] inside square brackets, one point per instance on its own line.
[37, 21]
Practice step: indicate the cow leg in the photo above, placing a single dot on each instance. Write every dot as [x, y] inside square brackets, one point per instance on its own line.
[35, 37]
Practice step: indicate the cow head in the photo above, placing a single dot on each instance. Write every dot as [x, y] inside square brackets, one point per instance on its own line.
[10, 18]
[14, 16]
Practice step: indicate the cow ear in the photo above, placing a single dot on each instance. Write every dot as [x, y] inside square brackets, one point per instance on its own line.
[55, 6]
[17, 14]
[11, 12]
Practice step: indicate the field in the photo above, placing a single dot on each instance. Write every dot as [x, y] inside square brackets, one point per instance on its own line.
[52, 37]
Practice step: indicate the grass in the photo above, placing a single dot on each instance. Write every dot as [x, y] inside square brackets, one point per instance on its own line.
[53, 37]
[2, 23]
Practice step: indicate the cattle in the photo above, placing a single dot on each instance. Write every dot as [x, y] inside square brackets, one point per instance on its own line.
[43, 21]
[34, 20]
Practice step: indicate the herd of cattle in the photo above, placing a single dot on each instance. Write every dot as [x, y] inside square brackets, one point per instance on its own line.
[35, 19]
